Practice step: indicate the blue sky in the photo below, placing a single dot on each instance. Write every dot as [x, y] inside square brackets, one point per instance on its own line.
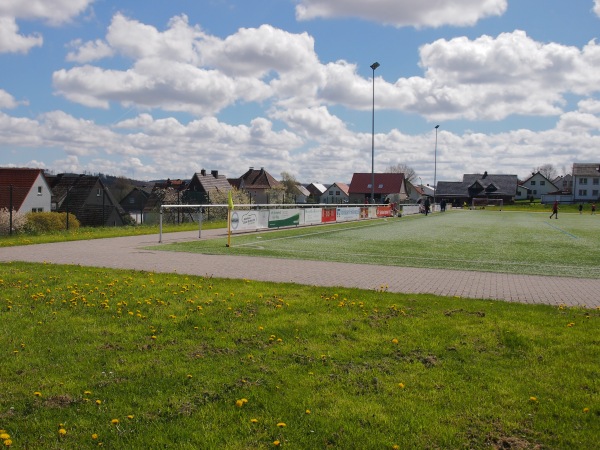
[159, 89]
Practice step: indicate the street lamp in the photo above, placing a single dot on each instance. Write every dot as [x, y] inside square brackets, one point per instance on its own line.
[435, 165]
[374, 66]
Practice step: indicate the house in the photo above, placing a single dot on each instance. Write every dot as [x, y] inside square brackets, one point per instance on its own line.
[538, 185]
[586, 182]
[564, 183]
[26, 190]
[201, 186]
[315, 190]
[87, 198]
[300, 193]
[164, 192]
[260, 186]
[135, 201]
[478, 186]
[336, 193]
[523, 193]
[388, 187]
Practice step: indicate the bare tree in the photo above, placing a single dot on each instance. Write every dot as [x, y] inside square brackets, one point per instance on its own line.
[409, 172]
[548, 170]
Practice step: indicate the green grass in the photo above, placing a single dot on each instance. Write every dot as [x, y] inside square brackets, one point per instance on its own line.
[86, 233]
[177, 352]
[510, 242]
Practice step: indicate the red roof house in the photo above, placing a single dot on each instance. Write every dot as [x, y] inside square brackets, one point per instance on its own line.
[24, 189]
[388, 186]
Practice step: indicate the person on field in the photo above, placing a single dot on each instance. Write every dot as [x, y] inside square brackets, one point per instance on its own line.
[581, 208]
[427, 206]
[554, 209]
[593, 208]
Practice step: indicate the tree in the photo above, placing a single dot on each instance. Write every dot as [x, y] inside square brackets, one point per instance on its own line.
[289, 187]
[548, 170]
[409, 172]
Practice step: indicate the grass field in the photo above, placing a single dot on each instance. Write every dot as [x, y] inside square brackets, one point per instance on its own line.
[512, 242]
[134, 360]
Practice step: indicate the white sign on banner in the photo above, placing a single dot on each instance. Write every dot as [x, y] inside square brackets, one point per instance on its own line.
[313, 215]
[348, 213]
[249, 220]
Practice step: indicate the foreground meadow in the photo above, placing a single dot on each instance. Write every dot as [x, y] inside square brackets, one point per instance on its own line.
[141, 360]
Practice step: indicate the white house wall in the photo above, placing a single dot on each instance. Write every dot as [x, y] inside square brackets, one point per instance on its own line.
[38, 200]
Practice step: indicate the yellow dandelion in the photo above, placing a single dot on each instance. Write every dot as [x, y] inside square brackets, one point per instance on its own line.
[253, 420]
[239, 403]
[87, 392]
[281, 425]
[276, 443]
[586, 410]
[395, 447]
[94, 436]
[189, 375]
[130, 416]
[37, 394]
[401, 385]
[98, 402]
[7, 442]
[152, 337]
[62, 431]
[307, 411]
[394, 341]
[4, 436]
[533, 399]
[115, 421]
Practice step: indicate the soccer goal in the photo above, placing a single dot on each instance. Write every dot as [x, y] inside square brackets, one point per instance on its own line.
[483, 203]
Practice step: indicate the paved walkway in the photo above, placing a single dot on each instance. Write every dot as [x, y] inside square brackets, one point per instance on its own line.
[128, 253]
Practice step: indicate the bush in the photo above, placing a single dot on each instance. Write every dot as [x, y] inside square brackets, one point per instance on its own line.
[18, 221]
[44, 222]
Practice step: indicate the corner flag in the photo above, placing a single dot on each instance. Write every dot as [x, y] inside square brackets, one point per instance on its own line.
[230, 201]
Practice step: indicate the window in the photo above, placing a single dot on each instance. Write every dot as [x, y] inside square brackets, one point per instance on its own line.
[583, 181]
[330, 192]
[533, 182]
[337, 192]
[369, 185]
[39, 190]
[37, 210]
[582, 192]
[596, 181]
[381, 186]
[595, 193]
[98, 192]
[131, 200]
[542, 183]
[534, 192]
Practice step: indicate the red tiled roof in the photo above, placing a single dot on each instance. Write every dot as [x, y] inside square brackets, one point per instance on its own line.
[385, 183]
[22, 181]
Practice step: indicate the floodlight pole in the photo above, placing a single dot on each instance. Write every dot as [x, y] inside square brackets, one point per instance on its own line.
[435, 165]
[374, 66]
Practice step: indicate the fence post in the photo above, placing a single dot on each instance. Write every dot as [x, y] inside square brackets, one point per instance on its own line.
[10, 208]
[160, 218]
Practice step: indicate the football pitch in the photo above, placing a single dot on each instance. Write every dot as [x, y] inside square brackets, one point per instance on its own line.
[492, 241]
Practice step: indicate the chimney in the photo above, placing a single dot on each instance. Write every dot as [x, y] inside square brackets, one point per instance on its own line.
[203, 172]
[484, 174]
[214, 173]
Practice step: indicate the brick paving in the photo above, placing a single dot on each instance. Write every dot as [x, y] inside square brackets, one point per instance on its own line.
[129, 253]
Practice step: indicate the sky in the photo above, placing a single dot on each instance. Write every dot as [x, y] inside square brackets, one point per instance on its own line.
[160, 89]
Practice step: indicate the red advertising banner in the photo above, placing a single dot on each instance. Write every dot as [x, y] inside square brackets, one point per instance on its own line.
[329, 215]
[384, 211]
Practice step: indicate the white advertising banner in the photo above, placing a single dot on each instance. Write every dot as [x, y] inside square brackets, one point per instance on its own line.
[284, 218]
[249, 220]
[348, 213]
[313, 215]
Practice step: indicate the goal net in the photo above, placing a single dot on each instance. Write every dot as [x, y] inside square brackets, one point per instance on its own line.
[483, 203]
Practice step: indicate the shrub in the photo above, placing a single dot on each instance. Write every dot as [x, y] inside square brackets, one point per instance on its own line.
[44, 222]
[18, 221]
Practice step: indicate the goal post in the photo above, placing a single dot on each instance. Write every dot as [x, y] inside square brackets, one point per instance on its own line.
[483, 203]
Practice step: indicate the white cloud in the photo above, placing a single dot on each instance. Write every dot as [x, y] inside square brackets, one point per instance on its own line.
[400, 13]
[597, 7]
[53, 12]
[7, 101]
[13, 42]
[89, 51]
